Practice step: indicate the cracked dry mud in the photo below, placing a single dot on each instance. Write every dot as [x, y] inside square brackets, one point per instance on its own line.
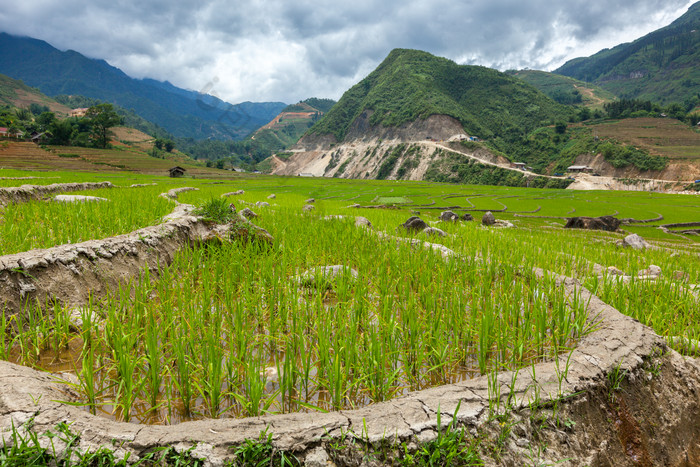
[654, 420]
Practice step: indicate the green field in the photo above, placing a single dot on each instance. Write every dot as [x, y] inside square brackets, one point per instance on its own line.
[236, 330]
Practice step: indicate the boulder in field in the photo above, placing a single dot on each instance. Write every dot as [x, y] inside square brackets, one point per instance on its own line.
[448, 216]
[308, 207]
[467, 217]
[607, 223]
[414, 224]
[488, 218]
[635, 242]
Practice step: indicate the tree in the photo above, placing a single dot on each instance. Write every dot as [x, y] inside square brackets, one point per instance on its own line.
[45, 119]
[102, 117]
[169, 145]
[23, 114]
[560, 127]
[61, 131]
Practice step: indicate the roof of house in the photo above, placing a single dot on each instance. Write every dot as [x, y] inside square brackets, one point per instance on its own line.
[177, 167]
[577, 167]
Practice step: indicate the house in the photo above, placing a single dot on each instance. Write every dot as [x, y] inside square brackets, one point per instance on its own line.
[305, 174]
[177, 172]
[519, 165]
[579, 169]
[6, 132]
[40, 138]
[80, 112]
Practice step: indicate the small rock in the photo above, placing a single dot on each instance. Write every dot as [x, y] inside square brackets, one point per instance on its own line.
[324, 276]
[308, 207]
[355, 206]
[488, 218]
[262, 204]
[467, 217]
[432, 231]
[680, 276]
[310, 201]
[414, 224]
[613, 271]
[272, 196]
[248, 214]
[502, 223]
[362, 222]
[652, 271]
[448, 216]
[635, 241]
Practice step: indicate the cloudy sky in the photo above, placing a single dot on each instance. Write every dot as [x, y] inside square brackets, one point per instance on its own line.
[288, 50]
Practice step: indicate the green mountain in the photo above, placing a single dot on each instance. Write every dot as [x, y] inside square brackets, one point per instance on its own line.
[410, 85]
[663, 66]
[294, 120]
[564, 89]
[181, 112]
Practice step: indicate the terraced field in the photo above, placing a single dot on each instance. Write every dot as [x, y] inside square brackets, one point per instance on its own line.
[336, 311]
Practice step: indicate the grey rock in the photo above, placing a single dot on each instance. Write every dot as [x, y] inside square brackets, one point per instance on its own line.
[248, 214]
[488, 218]
[502, 223]
[308, 207]
[432, 231]
[467, 217]
[414, 224]
[310, 201]
[634, 241]
[613, 271]
[652, 271]
[362, 222]
[262, 204]
[448, 216]
[272, 196]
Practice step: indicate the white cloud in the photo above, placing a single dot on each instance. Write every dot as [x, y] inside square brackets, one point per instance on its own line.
[280, 50]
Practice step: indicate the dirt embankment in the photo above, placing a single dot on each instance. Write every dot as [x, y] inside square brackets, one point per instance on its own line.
[24, 193]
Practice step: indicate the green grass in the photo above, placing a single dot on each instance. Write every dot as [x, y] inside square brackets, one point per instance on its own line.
[43, 224]
[202, 339]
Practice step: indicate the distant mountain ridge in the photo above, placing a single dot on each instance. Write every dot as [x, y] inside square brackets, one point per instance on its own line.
[182, 112]
[663, 66]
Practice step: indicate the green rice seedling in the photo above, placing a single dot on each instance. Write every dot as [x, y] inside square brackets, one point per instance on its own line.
[184, 369]
[126, 363]
[154, 358]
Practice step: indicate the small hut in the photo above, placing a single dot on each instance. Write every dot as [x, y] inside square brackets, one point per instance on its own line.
[177, 172]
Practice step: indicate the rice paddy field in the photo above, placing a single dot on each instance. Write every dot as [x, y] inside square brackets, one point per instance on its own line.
[244, 329]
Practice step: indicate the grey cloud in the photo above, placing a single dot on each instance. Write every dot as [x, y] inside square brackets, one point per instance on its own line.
[289, 50]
